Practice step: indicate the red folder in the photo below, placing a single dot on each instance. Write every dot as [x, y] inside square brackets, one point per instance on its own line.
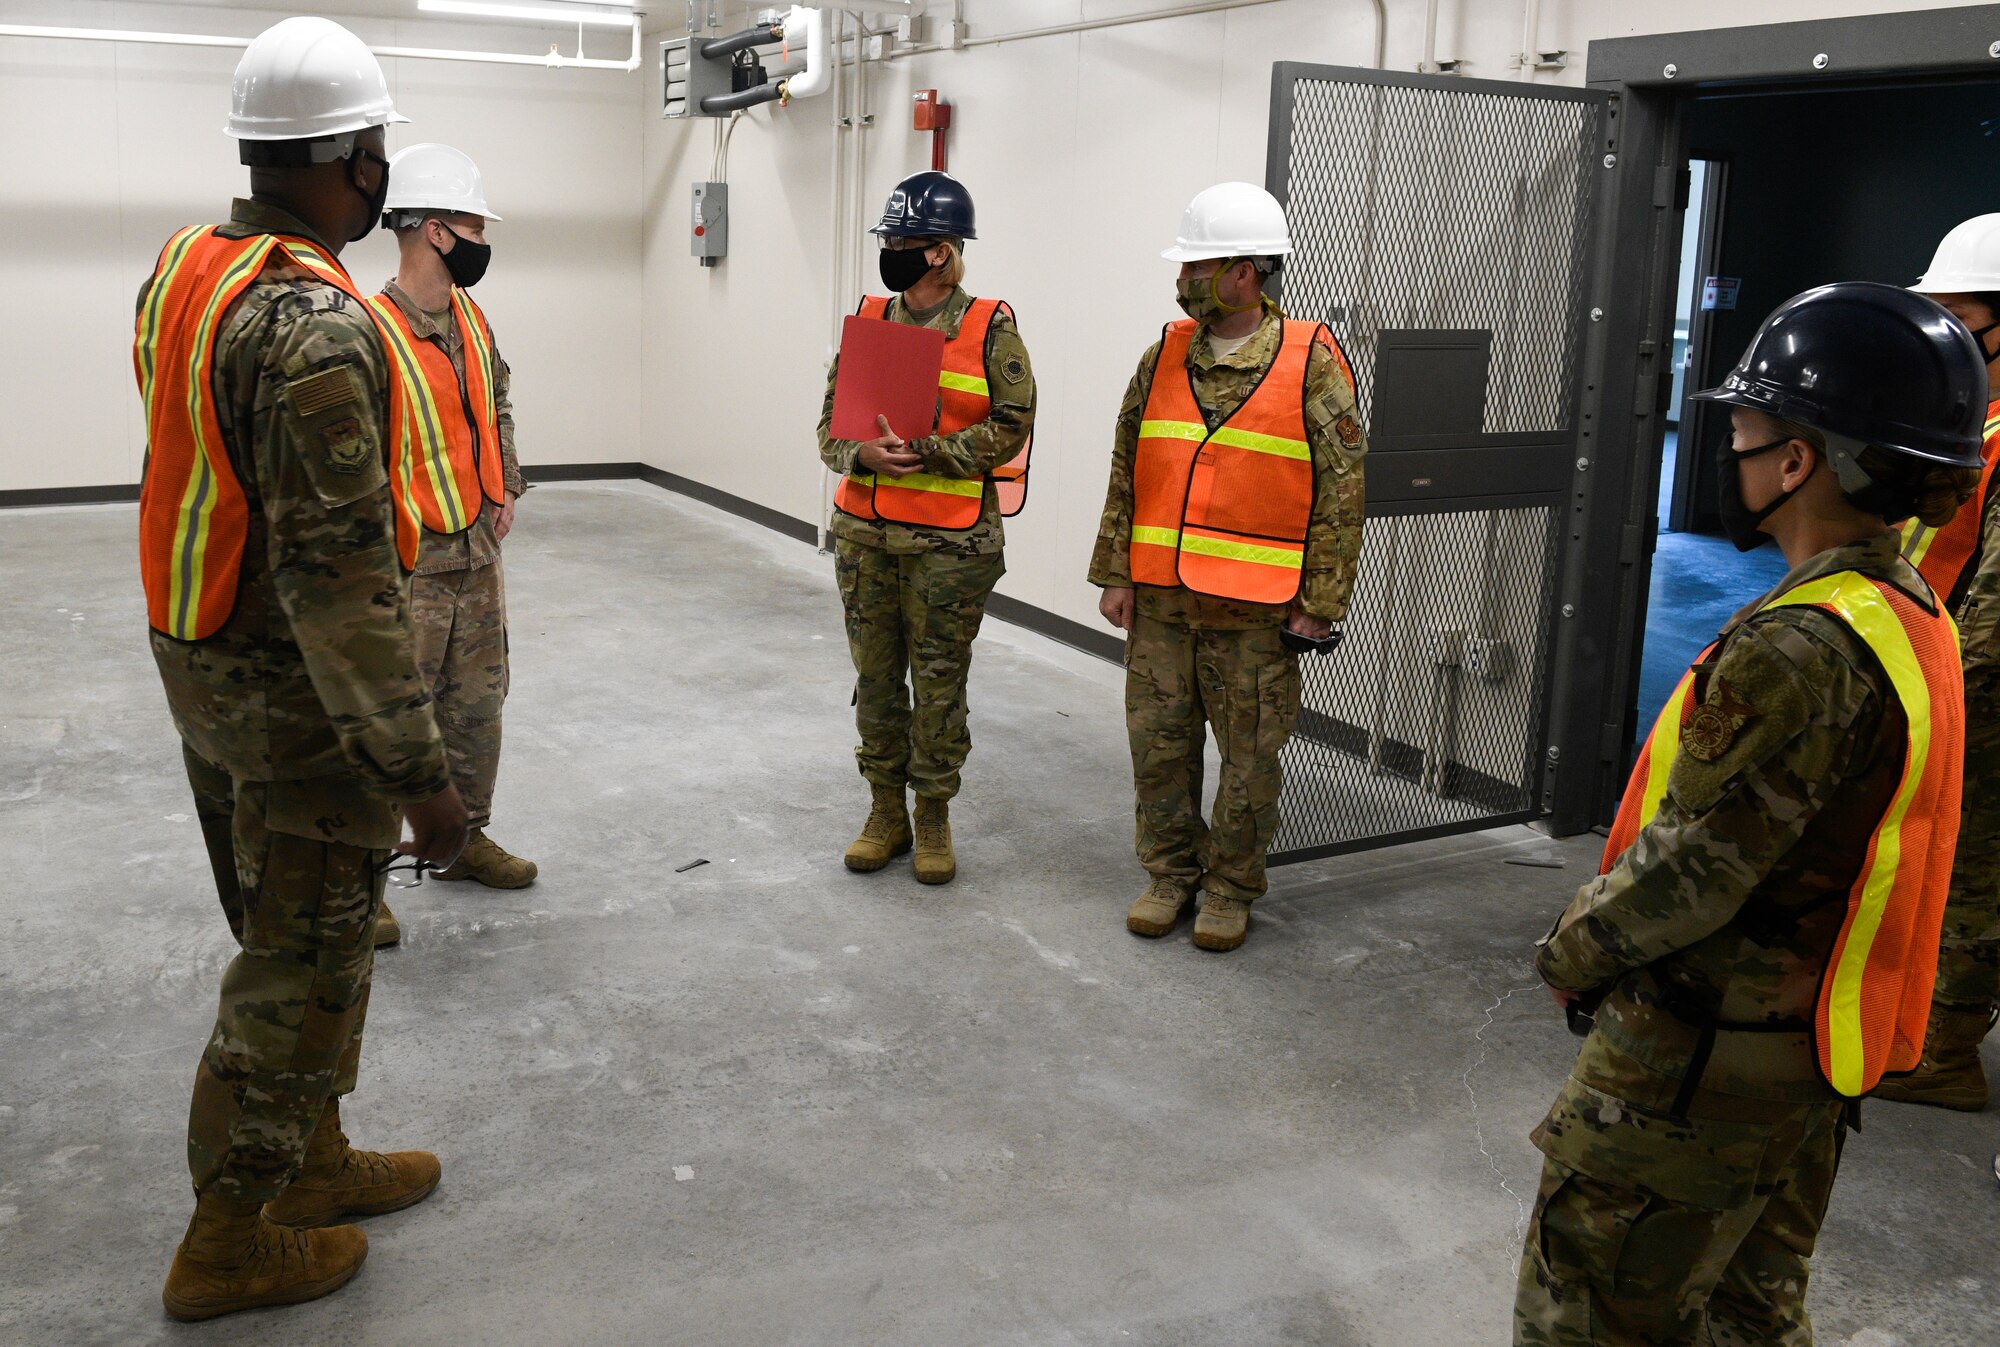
[886, 369]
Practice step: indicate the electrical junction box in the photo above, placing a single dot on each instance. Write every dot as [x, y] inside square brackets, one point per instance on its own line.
[687, 77]
[708, 226]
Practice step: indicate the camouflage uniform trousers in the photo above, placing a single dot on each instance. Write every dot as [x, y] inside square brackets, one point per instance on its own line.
[288, 1027]
[911, 620]
[1245, 685]
[1968, 972]
[1676, 1231]
[460, 618]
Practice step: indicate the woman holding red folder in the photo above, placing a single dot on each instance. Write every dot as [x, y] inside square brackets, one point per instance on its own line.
[916, 526]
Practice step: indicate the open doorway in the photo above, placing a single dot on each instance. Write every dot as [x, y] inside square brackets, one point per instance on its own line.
[1787, 188]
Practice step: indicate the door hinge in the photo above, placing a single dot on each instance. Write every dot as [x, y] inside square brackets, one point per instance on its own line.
[1663, 186]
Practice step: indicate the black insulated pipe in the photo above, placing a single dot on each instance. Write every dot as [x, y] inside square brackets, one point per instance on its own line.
[716, 48]
[743, 98]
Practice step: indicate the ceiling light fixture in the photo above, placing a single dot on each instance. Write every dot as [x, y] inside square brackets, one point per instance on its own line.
[603, 13]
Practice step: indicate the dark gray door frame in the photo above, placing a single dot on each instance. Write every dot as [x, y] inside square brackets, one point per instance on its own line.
[1626, 374]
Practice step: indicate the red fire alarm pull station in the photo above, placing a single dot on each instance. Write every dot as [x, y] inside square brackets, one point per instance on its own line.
[933, 114]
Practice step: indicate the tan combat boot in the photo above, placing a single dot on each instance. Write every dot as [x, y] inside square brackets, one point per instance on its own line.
[1951, 1074]
[885, 835]
[1158, 910]
[233, 1259]
[934, 862]
[388, 931]
[336, 1180]
[1222, 923]
[484, 860]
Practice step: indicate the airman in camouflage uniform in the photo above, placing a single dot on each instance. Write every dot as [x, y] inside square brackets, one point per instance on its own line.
[1690, 1155]
[308, 739]
[1968, 977]
[458, 600]
[914, 597]
[1193, 657]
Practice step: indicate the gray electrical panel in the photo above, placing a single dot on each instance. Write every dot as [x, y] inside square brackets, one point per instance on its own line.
[687, 77]
[708, 226]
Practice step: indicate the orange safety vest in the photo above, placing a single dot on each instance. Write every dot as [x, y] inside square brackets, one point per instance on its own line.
[453, 439]
[193, 514]
[1875, 997]
[1944, 554]
[964, 400]
[1225, 512]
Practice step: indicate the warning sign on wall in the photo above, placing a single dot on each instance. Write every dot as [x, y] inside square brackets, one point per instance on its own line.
[1719, 292]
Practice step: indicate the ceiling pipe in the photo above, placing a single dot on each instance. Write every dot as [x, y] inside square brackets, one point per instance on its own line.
[1113, 21]
[552, 61]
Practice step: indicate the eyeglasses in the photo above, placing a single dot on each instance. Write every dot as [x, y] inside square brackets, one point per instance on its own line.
[414, 866]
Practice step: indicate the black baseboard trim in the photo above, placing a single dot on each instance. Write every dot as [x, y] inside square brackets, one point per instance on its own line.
[776, 520]
[1076, 635]
[580, 472]
[671, 481]
[70, 495]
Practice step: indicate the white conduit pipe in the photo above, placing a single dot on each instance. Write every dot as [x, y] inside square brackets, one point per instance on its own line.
[1531, 26]
[552, 60]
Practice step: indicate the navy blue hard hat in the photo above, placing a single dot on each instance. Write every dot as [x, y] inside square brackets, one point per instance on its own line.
[1875, 363]
[927, 205]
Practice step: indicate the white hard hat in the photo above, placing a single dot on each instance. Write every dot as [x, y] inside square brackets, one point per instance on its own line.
[306, 78]
[1967, 261]
[1231, 219]
[436, 177]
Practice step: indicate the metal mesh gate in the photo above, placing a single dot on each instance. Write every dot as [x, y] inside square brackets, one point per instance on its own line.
[1441, 231]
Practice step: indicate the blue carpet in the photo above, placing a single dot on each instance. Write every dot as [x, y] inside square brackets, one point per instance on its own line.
[1698, 584]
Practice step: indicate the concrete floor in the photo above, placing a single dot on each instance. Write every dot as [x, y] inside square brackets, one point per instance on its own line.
[767, 1102]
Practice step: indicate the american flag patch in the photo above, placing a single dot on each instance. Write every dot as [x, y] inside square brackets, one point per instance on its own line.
[329, 388]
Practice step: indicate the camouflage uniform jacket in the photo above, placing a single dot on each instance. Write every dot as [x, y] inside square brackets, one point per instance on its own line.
[969, 453]
[1333, 429]
[315, 674]
[475, 546]
[1978, 614]
[1727, 905]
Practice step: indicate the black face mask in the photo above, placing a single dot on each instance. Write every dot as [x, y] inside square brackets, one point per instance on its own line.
[377, 199]
[467, 261]
[1979, 335]
[904, 267]
[1743, 524]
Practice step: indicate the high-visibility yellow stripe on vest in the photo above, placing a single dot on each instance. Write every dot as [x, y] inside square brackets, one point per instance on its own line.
[1225, 512]
[451, 453]
[193, 512]
[964, 400]
[1875, 999]
[1947, 555]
